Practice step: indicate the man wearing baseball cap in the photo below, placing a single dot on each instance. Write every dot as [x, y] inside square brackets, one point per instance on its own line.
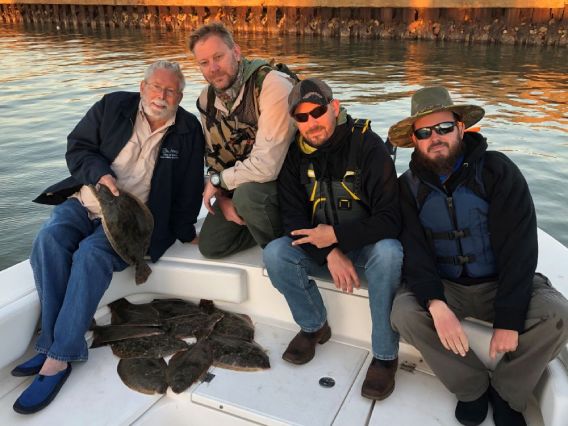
[338, 198]
[470, 242]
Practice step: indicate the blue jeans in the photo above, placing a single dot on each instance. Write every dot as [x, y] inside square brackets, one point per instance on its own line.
[289, 268]
[73, 262]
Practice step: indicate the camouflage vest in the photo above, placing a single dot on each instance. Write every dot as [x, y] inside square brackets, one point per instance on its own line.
[233, 135]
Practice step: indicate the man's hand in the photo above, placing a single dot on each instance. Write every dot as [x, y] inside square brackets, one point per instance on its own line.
[110, 182]
[228, 208]
[208, 193]
[448, 327]
[321, 236]
[503, 341]
[342, 271]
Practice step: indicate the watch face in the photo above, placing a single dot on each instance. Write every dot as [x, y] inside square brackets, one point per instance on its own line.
[215, 179]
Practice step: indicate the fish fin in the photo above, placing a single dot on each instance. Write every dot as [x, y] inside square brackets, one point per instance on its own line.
[207, 306]
[142, 273]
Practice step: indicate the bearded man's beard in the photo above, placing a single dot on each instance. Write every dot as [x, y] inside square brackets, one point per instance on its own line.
[442, 166]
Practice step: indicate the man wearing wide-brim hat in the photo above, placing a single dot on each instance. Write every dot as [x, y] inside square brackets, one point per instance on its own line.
[470, 242]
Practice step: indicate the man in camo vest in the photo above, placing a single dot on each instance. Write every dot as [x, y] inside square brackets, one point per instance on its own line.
[244, 112]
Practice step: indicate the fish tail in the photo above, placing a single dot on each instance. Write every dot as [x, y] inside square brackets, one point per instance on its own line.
[142, 273]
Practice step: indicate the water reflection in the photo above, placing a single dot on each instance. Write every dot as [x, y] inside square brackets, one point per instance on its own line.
[50, 78]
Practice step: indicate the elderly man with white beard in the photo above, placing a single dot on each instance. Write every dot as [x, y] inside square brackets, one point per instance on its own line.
[143, 143]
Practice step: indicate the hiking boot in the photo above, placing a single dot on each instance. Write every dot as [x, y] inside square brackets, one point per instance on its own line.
[503, 414]
[472, 413]
[302, 348]
[379, 381]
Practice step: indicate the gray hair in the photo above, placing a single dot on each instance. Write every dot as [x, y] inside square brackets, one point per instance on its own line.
[166, 65]
[205, 31]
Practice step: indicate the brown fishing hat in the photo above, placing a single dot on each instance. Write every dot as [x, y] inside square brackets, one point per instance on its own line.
[427, 101]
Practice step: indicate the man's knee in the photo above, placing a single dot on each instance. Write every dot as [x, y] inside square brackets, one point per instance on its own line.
[274, 254]
[387, 253]
[209, 250]
[250, 196]
[51, 241]
[547, 302]
[47, 236]
[385, 261]
[405, 312]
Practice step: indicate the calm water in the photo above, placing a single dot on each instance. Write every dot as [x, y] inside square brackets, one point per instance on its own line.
[50, 78]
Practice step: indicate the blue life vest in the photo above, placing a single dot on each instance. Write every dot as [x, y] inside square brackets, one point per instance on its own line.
[338, 201]
[457, 227]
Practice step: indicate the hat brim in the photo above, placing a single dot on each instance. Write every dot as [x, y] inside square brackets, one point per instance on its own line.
[400, 133]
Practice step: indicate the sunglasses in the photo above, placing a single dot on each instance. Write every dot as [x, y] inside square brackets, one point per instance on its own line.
[440, 128]
[302, 117]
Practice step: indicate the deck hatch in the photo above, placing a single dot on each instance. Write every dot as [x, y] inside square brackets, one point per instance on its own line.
[286, 394]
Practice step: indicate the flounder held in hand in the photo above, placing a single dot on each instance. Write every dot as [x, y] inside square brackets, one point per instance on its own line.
[128, 225]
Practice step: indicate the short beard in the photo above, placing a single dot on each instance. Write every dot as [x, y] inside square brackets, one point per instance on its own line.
[440, 166]
[165, 114]
[315, 143]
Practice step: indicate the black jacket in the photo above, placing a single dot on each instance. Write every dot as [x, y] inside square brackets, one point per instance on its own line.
[512, 228]
[177, 181]
[379, 191]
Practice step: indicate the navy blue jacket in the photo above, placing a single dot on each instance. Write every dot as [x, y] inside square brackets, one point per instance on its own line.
[177, 182]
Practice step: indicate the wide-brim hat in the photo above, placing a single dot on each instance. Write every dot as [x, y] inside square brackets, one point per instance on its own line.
[427, 101]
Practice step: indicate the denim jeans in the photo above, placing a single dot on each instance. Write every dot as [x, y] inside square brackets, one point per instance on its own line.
[72, 262]
[289, 268]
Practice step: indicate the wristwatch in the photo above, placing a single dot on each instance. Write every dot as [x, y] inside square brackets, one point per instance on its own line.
[215, 180]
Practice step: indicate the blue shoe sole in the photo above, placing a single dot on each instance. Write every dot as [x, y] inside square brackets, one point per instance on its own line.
[22, 409]
[21, 371]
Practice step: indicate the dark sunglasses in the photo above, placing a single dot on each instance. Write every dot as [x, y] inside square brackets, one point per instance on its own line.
[302, 117]
[440, 128]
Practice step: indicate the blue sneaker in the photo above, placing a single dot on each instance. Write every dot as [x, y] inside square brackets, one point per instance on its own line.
[41, 392]
[30, 367]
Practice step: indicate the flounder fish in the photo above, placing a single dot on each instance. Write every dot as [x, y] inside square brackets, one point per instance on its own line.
[124, 312]
[175, 308]
[103, 335]
[187, 367]
[128, 225]
[232, 325]
[198, 326]
[224, 339]
[144, 375]
[148, 347]
[238, 354]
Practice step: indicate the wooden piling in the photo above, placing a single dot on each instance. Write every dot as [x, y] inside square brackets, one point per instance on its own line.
[513, 21]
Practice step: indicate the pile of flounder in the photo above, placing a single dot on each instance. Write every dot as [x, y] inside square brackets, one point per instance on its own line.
[143, 334]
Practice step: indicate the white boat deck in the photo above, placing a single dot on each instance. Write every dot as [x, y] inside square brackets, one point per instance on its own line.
[285, 394]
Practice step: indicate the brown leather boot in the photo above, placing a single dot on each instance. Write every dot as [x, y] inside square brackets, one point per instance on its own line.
[302, 348]
[379, 381]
